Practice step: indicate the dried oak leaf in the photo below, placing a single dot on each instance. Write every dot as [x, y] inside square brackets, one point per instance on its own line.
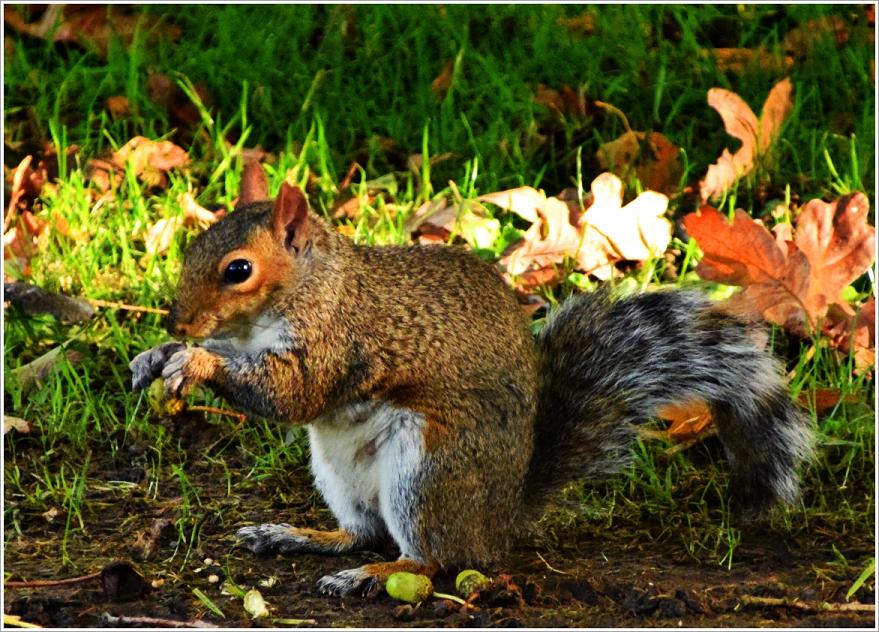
[565, 102]
[439, 219]
[634, 232]
[596, 239]
[653, 158]
[757, 136]
[790, 282]
[839, 244]
[149, 159]
[744, 253]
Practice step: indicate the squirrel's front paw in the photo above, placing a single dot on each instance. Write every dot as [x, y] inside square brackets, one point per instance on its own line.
[188, 367]
[147, 366]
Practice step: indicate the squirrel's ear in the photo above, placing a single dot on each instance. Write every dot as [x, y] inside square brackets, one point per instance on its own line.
[253, 184]
[290, 218]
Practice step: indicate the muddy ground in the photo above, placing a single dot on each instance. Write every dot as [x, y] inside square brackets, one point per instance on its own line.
[576, 575]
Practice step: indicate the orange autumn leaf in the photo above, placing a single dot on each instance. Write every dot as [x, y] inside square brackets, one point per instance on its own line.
[688, 419]
[653, 158]
[756, 135]
[838, 242]
[745, 253]
[791, 282]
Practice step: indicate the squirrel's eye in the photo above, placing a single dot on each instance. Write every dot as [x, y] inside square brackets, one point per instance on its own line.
[237, 271]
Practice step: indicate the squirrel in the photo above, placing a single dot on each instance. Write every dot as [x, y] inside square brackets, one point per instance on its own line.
[435, 417]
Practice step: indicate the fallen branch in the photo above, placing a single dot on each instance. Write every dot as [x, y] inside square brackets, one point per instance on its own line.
[155, 622]
[43, 583]
[808, 606]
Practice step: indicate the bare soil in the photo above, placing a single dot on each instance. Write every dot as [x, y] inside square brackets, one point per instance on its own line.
[583, 577]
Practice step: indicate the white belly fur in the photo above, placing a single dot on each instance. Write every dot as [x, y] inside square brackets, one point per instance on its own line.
[364, 458]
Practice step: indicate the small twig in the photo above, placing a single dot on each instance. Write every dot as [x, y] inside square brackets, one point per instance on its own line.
[241, 417]
[809, 606]
[614, 110]
[549, 566]
[689, 443]
[155, 621]
[41, 583]
[131, 308]
[346, 181]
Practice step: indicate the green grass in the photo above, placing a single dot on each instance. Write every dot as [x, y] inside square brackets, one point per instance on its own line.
[326, 86]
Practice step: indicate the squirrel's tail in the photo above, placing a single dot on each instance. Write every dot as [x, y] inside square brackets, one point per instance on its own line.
[608, 365]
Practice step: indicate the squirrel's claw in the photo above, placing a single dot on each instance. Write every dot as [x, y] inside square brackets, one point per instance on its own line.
[148, 365]
[354, 581]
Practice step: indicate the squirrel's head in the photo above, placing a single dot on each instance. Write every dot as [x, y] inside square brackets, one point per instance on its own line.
[232, 270]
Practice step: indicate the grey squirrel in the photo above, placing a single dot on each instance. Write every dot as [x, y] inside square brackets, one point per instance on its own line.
[435, 418]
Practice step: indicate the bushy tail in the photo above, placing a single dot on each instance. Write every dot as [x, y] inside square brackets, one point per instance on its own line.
[608, 365]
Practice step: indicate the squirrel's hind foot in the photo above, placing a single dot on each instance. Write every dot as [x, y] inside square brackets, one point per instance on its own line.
[282, 538]
[369, 579]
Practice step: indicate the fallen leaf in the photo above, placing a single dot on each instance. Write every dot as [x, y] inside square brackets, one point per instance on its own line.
[595, 240]
[523, 201]
[91, 26]
[149, 160]
[544, 246]
[741, 60]
[118, 106]
[182, 112]
[194, 214]
[688, 419]
[443, 218]
[637, 231]
[839, 244]
[565, 102]
[161, 234]
[802, 39]
[824, 400]
[790, 282]
[653, 158]
[15, 423]
[255, 605]
[757, 136]
[35, 372]
[582, 24]
[147, 542]
[744, 253]
[440, 86]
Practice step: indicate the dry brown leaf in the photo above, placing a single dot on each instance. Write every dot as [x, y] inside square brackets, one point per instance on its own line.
[653, 158]
[91, 26]
[440, 86]
[839, 244]
[688, 419]
[534, 261]
[606, 233]
[565, 102]
[194, 214]
[118, 106]
[523, 201]
[15, 423]
[757, 136]
[801, 39]
[582, 24]
[744, 253]
[637, 231]
[441, 218]
[824, 400]
[741, 60]
[790, 282]
[150, 160]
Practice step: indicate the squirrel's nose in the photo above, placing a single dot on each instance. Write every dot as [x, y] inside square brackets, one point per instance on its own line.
[171, 321]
